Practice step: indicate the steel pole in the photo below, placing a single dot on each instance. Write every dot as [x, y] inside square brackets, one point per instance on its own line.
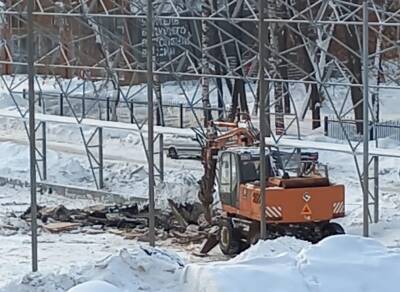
[262, 93]
[376, 189]
[32, 138]
[161, 156]
[150, 121]
[44, 150]
[101, 158]
[365, 179]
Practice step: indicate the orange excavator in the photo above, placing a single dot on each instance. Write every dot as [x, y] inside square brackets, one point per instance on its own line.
[300, 199]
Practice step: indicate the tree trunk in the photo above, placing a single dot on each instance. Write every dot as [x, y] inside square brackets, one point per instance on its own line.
[305, 62]
[220, 89]
[315, 106]
[159, 103]
[283, 68]
[244, 108]
[279, 116]
[277, 41]
[206, 11]
[235, 101]
[354, 65]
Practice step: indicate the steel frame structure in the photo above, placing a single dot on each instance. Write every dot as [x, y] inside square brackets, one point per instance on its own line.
[101, 48]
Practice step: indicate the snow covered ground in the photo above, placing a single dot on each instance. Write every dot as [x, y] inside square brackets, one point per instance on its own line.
[58, 252]
[124, 166]
[137, 269]
[87, 254]
[338, 263]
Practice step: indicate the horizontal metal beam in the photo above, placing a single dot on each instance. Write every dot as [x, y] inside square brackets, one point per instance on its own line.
[200, 75]
[332, 147]
[200, 18]
[96, 123]
[101, 194]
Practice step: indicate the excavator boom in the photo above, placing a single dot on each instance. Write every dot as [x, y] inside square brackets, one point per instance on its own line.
[217, 140]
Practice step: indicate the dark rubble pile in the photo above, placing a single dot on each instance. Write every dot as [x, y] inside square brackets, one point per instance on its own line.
[182, 223]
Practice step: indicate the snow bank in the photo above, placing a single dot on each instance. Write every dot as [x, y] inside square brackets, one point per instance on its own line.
[140, 269]
[126, 178]
[338, 263]
[95, 286]
[270, 248]
[349, 263]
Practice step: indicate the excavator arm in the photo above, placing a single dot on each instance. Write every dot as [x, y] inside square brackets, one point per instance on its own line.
[217, 140]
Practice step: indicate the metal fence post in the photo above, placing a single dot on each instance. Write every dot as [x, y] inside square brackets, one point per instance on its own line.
[101, 165]
[326, 126]
[44, 151]
[371, 131]
[44, 106]
[161, 153]
[131, 112]
[83, 107]
[181, 115]
[376, 189]
[108, 109]
[61, 104]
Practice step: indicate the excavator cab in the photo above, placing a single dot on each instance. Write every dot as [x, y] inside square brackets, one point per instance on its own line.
[297, 204]
[236, 168]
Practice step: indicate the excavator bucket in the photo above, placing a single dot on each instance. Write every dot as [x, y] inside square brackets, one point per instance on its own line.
[211, 242]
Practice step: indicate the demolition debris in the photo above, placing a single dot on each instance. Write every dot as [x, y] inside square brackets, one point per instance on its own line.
[183, 224]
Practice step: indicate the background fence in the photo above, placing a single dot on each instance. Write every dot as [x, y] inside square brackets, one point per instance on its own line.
[337, 130]
[178, 115]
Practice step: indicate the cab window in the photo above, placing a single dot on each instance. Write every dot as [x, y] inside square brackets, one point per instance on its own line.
[229, 175]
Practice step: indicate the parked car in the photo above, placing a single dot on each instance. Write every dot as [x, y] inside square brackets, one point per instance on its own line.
[179, 151]
[188, 148]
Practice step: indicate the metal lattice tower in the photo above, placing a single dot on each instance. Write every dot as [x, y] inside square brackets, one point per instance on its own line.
[97, 54]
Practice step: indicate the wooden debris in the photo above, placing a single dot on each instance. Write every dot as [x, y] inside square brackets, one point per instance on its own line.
[183, 225]
[60, 226]
[177, 213]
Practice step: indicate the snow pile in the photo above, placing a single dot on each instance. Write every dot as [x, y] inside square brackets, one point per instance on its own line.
[95, 286]
[338, 263]
[141, 269]
[180, 186]
[271, 248]
[349, 263]
[130, 179]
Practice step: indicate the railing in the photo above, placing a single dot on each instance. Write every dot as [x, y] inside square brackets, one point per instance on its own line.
[175, 114]
[335, 129]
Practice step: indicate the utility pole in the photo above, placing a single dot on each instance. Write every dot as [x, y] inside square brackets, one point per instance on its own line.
[150, 120]
[262, 87]
[365, 122]
[32, 138]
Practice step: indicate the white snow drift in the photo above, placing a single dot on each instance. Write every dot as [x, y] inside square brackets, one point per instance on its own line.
[340, 263]
[140, 269]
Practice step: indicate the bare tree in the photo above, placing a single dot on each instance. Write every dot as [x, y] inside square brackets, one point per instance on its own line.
[205, 33]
